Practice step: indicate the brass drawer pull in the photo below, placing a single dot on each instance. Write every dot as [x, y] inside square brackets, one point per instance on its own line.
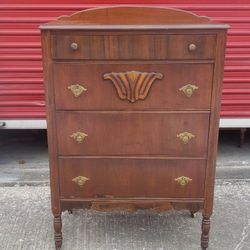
[185, 137]
[191, 47]
[79, 136]
[76, 89]
[183, 180]
[188, 89]
[74, 46]
[80, 180]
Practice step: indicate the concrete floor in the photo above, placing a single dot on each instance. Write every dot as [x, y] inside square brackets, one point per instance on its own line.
[26, 223]
[26, 220]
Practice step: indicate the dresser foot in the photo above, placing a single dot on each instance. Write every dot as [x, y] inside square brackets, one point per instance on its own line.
[192, 213]
[205, 232]
[58, 231]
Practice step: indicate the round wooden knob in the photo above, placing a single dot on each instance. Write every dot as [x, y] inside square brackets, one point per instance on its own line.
[192, 47]
[74, 46]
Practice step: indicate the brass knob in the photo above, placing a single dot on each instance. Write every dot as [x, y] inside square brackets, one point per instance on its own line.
[74, 46]
[185, 137]
[192, 47]
[188, 89]
[183, 180]
[76, 89]
[80, 180]
[78, 136]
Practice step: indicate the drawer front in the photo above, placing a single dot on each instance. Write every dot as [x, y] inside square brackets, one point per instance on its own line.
[135, 47]
[137, 133]
[114, 178]
[172, 86]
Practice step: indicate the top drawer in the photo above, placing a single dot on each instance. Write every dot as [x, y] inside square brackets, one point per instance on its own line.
[135, 47]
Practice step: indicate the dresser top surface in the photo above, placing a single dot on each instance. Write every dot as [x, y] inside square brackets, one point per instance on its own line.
[132, 17]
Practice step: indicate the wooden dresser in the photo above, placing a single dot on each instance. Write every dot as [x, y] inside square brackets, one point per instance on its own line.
[133, 101]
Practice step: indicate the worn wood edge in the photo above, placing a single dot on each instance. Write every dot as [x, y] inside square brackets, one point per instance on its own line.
[133, 207]
[130, 205]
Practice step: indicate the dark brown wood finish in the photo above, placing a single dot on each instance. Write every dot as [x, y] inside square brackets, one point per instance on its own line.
[213, 137]
[132, 133]
[138, 15]
[52, 135]
[133, 47]
[133, 94]
[164, 94]
[132, 205]
[125, 178]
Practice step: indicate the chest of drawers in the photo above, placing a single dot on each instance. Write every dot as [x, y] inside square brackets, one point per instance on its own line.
[133, 100]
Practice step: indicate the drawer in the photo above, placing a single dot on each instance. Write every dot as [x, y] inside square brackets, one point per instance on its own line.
[171, 86]
[132, 133]
[114, 178]
[133, 46]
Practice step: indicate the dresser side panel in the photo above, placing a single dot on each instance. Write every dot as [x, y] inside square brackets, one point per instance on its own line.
[214, 122]
[51, 127]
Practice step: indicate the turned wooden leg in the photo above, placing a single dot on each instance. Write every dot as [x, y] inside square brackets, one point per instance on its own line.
[58, 231]
[205, 232]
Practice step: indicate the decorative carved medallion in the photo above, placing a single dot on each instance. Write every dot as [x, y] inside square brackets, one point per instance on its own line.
[183, 180]
[80, 180]
[185, 137]
[132, 85]
[78, 136]
[188, 89]
[76, 89]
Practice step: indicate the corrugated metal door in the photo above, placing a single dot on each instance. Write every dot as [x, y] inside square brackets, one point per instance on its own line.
[21, 84]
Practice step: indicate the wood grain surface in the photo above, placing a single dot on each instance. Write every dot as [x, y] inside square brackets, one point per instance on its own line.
[133, 46]
[164, 93]
[126, 178]
[130, 133]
